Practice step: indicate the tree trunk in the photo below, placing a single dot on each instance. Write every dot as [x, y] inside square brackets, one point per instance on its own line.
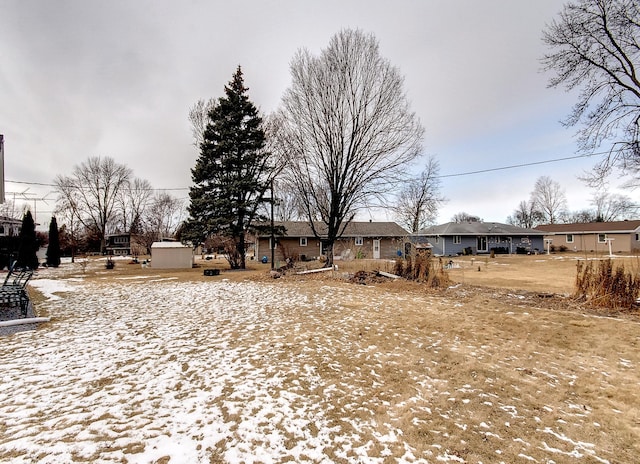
[242, 252]
[329, 252]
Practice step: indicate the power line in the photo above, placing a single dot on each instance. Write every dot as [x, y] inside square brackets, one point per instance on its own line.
[459, 174]
[513, 166]
[42, 184]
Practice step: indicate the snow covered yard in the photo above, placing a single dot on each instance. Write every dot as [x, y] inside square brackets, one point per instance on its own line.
[156, 370]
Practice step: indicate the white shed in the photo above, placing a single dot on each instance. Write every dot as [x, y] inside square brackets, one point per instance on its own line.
[171, 255]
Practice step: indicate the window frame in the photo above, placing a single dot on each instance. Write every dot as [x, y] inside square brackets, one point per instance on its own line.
[358, 241]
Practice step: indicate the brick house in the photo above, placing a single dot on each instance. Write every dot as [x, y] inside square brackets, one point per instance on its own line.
[374, 240]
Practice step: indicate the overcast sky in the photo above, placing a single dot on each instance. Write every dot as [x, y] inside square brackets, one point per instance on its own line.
[86, 78]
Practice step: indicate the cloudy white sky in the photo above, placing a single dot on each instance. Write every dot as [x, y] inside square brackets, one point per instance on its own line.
[85, 78]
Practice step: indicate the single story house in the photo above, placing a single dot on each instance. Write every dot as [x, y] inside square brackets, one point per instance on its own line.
[477, 237]
[171, 255]
[376, 240]
[597, 237]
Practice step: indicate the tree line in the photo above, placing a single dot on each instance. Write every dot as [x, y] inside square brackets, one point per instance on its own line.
[102, 197]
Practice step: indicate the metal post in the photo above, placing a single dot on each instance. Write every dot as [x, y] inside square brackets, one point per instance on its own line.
[273, 238]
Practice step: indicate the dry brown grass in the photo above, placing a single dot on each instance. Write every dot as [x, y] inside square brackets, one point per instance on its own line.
[483, 370]
[606, 285]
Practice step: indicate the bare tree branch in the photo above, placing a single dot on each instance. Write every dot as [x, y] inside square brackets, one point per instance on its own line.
[91, 192]
[595, 47]
[420, 198]
[349, 129]
[549, 199]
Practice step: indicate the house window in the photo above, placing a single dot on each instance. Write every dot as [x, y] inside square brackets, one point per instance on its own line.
[569, 238]
[358, 241]
[2, 231]
[303, 241]
[457, 240]
[637, 237]
[602, 238]
[275, 244]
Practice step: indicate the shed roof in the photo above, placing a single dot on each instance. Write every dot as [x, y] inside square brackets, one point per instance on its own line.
[591, 227]
[353, 229]
[169, 245]
[477, 228]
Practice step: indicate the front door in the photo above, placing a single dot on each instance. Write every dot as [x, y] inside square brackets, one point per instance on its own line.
[376, 249]
[482, 244]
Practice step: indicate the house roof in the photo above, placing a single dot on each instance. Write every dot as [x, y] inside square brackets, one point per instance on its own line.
[8, 220]
[591, 227]
[476, 228]
[353, 229]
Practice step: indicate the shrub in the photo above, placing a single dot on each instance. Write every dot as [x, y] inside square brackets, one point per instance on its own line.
[422, 269]
[398, 267]
[606, 287]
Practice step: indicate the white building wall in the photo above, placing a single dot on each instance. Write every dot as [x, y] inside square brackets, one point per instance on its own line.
[171, 255]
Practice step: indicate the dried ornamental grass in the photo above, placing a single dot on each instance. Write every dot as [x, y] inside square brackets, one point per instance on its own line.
[607, 287]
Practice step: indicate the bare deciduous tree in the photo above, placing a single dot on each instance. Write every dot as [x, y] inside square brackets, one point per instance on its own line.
[92, 190]
[286, 205]
[613, 207]
[582, 216]
[199, 118]
[161, 219]
[464, 217]
[11, 210]
[349, 130]
[420, 198]
[549, 199]
[132, 203]
[526, 215]
[595, 47]
[166, 213]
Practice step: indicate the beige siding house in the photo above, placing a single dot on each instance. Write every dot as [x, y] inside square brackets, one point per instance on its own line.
[373, 240]
[594, 237]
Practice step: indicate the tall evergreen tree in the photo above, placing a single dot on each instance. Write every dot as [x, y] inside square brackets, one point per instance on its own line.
[231, 174]
[28, 243]
[53, 250]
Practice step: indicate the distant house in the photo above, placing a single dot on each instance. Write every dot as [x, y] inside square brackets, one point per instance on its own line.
[376, 240]
[479, 237]
[118, 244]
[623, 236]
[9, 227]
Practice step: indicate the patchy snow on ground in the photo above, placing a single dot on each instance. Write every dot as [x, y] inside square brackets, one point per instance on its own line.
[152, 370]
[130, 372]
[51, 287]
